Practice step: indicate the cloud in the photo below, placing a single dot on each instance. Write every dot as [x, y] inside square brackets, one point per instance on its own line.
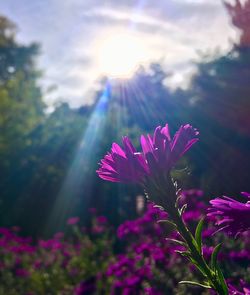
[69, 31]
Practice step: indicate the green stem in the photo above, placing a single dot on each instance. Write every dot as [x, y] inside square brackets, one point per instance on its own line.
[165, 196]
[195, 254]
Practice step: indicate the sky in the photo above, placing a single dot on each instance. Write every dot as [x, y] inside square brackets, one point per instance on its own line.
[83, 39]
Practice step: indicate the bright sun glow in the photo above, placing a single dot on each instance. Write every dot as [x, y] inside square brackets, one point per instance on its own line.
[120, 54]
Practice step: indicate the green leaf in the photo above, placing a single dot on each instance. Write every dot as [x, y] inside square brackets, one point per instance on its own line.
[192, 260]
[195, 284]
[214, 256]
[215, 267]
[183, 253]
[198, 233]
[168, 222]
[222, 280]
[176, 241]
[182, 210]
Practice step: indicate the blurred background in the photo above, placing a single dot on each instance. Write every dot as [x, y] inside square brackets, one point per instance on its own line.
[76, 76]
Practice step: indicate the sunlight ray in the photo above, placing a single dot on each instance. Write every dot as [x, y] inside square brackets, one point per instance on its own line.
[77, 176]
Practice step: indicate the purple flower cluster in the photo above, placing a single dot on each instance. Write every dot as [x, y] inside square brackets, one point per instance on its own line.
[146, 253]
[129, 273]
[62, 262]
[147, 247]
[143, 225]
[147, 263]
[159, 154]
[86, 287]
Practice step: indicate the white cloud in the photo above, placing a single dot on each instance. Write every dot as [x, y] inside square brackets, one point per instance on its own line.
[69, 31]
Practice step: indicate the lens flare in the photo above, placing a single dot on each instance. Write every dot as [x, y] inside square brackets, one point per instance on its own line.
[120, 54]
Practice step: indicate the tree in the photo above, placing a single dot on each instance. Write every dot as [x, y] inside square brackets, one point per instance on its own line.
[240, 15]
[21, 109]
[221, 91]
[21, 105]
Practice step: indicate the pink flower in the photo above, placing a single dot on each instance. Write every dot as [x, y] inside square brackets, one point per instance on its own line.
[160, 154]
[235, 291]
[101, 219]
[73, 220]
[233, 215]
[59, 235]
[23, 273]
[123, 165]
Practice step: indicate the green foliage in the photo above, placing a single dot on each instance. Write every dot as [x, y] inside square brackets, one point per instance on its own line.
[21, 106]
[214, 256]
[220, 94]
[198, 233]
[21, 109]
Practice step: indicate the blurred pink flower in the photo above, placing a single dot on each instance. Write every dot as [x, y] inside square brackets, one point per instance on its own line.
[245, 289]
[73, 220]
[101, 219]
[59, 235]
[23, 273]
[233, 215]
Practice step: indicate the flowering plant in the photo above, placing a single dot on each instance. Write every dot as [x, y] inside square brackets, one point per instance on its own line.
[151, 168]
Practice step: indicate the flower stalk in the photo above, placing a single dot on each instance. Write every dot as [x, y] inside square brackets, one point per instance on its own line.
[213, 278]
[196, 257]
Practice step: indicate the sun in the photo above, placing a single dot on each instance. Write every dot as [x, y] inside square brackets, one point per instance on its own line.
[119, 54]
